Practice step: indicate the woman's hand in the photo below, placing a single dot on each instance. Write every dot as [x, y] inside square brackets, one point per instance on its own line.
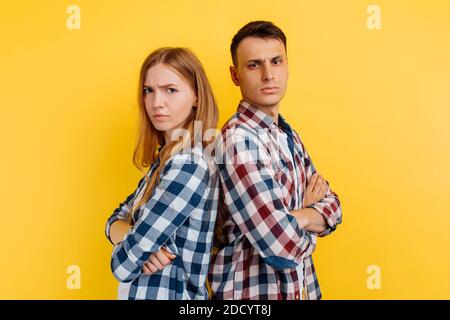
[316, 190]
[158, 261]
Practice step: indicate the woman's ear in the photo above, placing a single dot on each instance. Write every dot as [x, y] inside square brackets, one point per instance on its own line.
[195, 103]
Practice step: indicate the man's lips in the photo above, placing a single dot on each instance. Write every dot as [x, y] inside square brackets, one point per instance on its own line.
[269, 89]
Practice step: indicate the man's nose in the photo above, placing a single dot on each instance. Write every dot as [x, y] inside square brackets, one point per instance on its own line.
[267, 72]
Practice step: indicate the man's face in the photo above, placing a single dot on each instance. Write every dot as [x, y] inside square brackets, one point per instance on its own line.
[262, 71]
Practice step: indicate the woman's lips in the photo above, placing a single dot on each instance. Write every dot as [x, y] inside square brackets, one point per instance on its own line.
[160, 116]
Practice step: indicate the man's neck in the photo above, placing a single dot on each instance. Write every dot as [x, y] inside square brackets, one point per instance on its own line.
[271, 110]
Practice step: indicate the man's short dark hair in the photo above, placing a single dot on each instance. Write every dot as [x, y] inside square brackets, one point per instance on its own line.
[258, 29]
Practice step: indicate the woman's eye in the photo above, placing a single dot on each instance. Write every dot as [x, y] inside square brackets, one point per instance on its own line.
[147, 90]
[171, 90]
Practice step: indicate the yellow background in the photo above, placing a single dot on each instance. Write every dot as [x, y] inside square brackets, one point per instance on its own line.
[372, 107]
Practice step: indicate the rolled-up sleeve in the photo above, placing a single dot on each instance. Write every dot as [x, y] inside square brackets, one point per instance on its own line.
[181, 189]
[255, 202]
[120, 213]
[329, 207]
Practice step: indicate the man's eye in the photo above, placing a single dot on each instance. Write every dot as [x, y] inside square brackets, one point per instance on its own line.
[147, 90]
[253, 65]
[171, 90]
[277, 61]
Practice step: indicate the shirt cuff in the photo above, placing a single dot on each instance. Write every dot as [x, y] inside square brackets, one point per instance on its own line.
[329, 229]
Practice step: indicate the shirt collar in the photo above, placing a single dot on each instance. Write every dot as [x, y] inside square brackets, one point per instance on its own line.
[284, 126]
[259, 118]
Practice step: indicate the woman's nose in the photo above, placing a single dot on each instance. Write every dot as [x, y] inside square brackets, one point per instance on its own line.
[158, 100]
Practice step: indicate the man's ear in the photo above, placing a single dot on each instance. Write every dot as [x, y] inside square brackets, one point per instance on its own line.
[288, 67]
[234, 75]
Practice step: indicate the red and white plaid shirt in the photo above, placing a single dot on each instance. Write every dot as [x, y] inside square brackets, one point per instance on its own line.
[264, 170]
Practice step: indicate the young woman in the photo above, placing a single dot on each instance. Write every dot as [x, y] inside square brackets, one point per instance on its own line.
[162, 233]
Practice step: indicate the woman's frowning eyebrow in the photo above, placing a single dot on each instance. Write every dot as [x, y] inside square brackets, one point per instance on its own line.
[162, 86]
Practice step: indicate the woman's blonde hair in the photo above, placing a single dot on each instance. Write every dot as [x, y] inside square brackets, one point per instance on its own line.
[184, 62]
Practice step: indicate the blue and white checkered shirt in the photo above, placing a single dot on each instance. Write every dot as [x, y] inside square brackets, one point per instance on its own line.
[180, 215]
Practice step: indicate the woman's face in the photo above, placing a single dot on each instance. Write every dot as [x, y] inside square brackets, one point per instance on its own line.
[168, 99]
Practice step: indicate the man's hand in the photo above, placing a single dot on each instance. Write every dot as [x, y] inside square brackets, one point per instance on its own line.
[316, 190]
[157, 261]
[308, 218]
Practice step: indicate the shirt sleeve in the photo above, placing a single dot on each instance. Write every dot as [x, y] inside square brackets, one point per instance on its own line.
[329, 207]
[255, 202]
[181, 189]
[120, 213]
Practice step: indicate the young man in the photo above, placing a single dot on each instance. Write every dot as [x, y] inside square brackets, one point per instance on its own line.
[274, 203]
